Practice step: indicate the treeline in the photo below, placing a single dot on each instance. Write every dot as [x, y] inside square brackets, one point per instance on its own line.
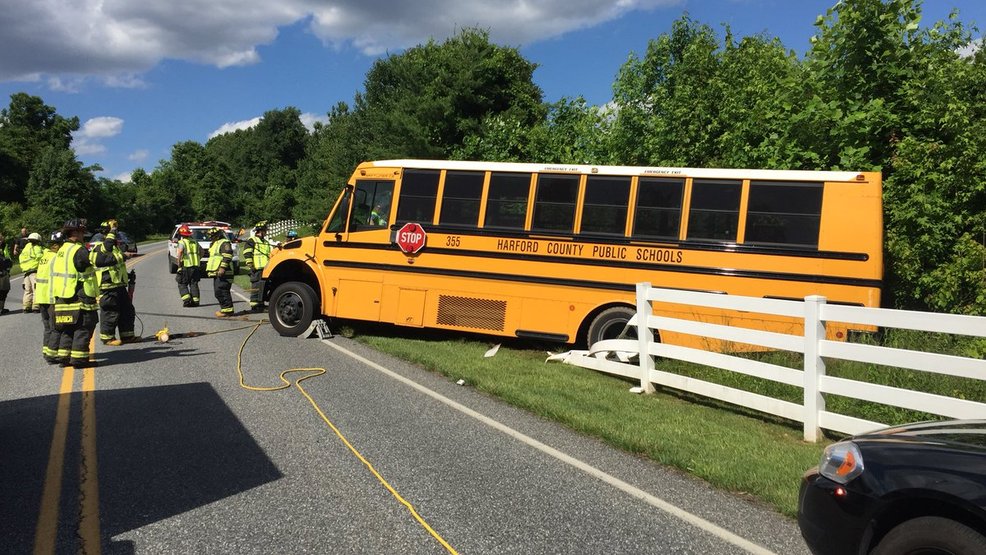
[876, 91]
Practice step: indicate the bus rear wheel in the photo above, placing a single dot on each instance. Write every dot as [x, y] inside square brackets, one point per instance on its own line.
[609, 324]
[292, 308]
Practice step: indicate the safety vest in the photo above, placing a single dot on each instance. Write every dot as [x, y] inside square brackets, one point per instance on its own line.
[258, 251]
[109, 277]
[189, 252]
[30, 257]
[216, 258]
[42, 288]
[65, 280]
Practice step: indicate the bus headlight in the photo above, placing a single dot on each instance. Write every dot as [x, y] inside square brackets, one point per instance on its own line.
[841, 462]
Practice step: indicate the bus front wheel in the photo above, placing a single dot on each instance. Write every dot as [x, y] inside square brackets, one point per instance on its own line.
[610, 323]
[292, 308]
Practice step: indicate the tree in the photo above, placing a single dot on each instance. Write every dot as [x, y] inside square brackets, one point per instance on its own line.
[424, 102]
[60, 189]
[27, 127]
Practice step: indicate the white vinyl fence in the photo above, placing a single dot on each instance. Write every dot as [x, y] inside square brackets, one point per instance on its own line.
[812, 378]
[281, 227]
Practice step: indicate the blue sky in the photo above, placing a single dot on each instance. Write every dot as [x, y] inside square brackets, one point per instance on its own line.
[143, 77]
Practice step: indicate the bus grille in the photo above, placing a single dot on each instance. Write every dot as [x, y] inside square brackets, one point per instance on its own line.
[466, 312]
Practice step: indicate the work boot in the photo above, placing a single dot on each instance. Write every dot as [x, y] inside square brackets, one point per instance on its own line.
[194, 304]
[221, 314]
[113, 342]
[186, 303]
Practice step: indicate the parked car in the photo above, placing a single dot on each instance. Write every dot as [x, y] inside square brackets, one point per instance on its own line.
[124, 241]
[200, 234]
[914, 489]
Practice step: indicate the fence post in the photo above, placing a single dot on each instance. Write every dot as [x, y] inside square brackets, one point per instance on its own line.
[814, 367]
[644, 337]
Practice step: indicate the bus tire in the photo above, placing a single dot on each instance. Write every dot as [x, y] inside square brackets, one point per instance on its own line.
[292, 308]
[609, 323]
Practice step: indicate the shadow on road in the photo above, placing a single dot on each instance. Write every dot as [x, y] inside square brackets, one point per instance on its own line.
[161, 451]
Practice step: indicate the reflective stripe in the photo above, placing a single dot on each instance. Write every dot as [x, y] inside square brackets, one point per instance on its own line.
[109, 277]
[42, 291]
[64, 276]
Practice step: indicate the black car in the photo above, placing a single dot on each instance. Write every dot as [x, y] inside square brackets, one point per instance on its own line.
[914, 489]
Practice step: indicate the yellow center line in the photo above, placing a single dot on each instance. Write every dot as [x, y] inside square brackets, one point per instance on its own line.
[88, 476]
[47, 529]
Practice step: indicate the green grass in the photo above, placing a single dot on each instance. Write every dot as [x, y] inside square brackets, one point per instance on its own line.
[732, 448]
[153, 238]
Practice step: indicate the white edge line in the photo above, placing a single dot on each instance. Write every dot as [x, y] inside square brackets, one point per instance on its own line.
[657, 502]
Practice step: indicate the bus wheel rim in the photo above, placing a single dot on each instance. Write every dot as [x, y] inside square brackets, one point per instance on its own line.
[289, 309]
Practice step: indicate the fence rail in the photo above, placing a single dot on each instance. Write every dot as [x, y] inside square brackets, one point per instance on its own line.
[811, 378]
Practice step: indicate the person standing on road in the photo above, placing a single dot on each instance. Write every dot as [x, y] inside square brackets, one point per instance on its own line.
[6, 263]
[74, 290]
[116, 310]
[30, 257]
[20, 242]
[218, 268]
[189, 272]
[42, 296]
[257, 255]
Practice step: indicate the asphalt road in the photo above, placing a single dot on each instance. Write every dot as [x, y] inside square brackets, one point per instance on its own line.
[160, 450]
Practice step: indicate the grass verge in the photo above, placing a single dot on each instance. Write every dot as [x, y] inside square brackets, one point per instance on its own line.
[733, 449]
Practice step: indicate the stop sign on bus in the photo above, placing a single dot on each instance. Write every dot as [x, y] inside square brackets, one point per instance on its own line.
[411, 238]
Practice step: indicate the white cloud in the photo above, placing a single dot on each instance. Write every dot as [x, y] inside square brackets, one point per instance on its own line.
[85, 141]
[101, 127]
[309, 119]
[971, 48]
[138, 155]
[123, 177]
[123, 38]
[234, 126]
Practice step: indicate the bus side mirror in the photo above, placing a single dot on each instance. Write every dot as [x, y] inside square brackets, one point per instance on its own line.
[338, 237]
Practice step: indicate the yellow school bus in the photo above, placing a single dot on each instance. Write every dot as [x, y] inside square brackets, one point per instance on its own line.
[552, 251]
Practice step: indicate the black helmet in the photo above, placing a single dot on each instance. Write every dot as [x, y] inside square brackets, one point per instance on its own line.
[215, 232]
[261, 226]
[74, 224]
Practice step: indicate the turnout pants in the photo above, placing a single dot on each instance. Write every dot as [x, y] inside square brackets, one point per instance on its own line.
[4, 289]
[30, 282]
[221, 286]
[116, 310]
[188, 283]
[73, 342]
[49, 352]
[256, 289]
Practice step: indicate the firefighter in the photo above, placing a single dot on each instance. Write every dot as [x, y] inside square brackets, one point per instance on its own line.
[257, 255]
[42, 296]
[116, 310]
[218, 268]
[189, 272]
[5, 265]
[73, 291]
[30, 257]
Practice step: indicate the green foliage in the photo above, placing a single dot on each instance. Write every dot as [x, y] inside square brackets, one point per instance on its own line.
[60, 189]
[424, 102]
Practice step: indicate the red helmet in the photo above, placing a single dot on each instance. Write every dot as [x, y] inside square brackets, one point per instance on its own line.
[184, 231]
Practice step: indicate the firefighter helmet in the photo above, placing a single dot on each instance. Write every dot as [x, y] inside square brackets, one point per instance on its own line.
[184, 231]
[261, 226]
[75, 224]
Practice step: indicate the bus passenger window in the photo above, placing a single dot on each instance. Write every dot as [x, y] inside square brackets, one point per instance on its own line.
[784, 213]
[371, 208]
[605, 208]
[506, 206]
[461, 198]
[419, 189]
[658, 214]
[714, 212]
[554, 203]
